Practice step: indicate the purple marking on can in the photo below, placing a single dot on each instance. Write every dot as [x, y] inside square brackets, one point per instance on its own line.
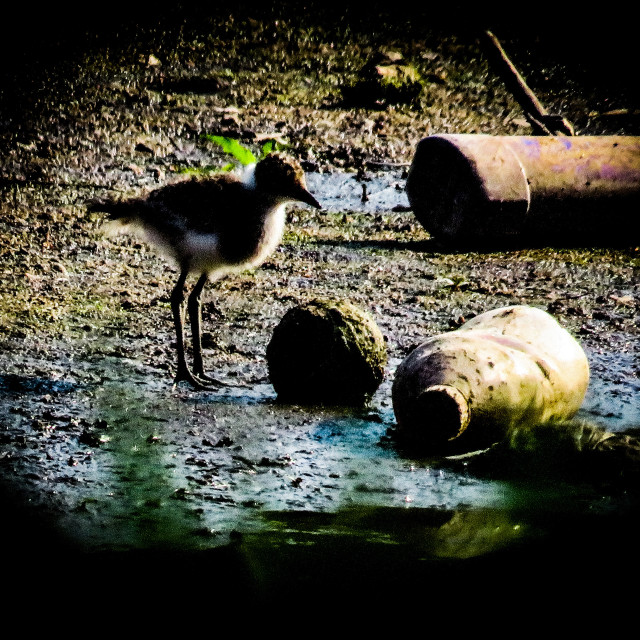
[622, 174]
[566, 142]
[532, 146]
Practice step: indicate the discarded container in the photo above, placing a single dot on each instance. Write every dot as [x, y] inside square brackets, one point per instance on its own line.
[508, 368]
[483, 190]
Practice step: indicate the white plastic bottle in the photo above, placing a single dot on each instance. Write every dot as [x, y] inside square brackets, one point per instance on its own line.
[508, 367]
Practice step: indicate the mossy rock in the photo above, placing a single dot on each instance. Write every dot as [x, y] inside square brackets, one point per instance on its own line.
[327, 352]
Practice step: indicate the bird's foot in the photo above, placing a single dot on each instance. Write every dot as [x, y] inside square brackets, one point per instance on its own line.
[200, 382]
[207, 379]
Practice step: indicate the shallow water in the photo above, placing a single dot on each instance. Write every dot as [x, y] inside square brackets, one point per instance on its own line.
[173, 469]
[375, 192]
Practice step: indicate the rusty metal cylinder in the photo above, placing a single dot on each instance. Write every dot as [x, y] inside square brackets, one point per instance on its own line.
[535, 190]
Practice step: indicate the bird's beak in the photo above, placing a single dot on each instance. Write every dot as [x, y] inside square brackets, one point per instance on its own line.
[307, 198]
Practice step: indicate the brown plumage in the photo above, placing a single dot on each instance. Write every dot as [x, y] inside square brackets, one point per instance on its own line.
[213, 226]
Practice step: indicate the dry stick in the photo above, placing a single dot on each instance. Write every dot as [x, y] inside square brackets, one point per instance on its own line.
[541, 120]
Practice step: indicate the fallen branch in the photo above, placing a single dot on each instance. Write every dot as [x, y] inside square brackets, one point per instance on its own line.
[541, 120]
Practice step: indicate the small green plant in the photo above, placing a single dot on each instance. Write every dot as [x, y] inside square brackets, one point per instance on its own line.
[458, 283]
[242, 154]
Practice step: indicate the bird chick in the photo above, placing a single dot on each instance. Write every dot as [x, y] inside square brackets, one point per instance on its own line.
[212, 226]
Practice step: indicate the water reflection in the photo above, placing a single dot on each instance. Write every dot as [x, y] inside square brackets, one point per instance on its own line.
[142, 482]
[195, 472]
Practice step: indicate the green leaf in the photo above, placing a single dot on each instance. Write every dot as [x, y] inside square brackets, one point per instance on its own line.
[271, 145]
[233, 147]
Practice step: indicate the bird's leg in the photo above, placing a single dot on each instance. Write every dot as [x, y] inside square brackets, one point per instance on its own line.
[194, 306]
[178, 308]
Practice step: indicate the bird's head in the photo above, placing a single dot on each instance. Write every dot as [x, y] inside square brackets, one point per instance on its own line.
[283, 177]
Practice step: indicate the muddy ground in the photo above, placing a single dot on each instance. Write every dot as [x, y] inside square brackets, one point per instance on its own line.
[99, 452]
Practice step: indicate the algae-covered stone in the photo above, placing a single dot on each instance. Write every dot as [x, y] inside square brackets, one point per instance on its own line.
[326, 351]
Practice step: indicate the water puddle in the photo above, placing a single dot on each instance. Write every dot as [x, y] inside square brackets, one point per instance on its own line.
[378, 191]
[156, 467]
[118, 461]
[176, 470]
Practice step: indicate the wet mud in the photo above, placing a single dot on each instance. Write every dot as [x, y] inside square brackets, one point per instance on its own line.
[101, 455]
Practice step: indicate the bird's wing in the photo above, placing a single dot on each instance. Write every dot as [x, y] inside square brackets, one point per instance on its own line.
[200, 204]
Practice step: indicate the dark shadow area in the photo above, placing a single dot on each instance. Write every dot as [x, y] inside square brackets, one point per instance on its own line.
[570, 561]
[13, 383]
[593, 44]
[419, 246]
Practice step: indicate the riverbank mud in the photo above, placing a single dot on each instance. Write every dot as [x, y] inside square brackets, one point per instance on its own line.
[101, 454]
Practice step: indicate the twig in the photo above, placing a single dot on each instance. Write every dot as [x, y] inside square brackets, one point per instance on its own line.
[541, 120]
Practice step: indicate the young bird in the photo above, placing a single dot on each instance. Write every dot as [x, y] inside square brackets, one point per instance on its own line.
[211, 227]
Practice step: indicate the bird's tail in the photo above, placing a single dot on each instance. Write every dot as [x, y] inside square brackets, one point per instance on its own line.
[122, 216]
